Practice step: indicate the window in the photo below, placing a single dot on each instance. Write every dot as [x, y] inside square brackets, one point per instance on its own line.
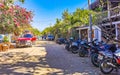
[28, 36]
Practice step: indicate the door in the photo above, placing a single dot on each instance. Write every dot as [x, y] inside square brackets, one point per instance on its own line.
[84, 34]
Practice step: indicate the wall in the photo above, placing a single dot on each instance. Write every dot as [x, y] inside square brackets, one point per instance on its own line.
[97, 32]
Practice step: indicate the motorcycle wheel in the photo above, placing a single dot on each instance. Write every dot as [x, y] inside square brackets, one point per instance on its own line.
[94, 60]
[106, 68]
[82, 52]
[67, 48]
[74, 50]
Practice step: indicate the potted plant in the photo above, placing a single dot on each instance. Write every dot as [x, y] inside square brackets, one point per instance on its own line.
[5, 39]
[6, 43]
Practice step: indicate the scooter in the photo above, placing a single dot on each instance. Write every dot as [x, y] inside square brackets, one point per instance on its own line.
[110, 62]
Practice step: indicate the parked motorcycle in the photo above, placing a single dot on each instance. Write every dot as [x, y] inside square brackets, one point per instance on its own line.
[75, 46]
[87, 48]
[84, 48]
[99, 52]
[110, 62]
[68, 44]
[95, 53]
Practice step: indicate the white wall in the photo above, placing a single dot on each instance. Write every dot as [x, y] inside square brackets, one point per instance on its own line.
[97, 32]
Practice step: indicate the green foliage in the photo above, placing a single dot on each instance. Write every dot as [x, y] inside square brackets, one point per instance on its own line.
[46, 31]
[35, 31]
[12, 1]
[22, 1]
[5, 39]
[98, 9]
[63, 27]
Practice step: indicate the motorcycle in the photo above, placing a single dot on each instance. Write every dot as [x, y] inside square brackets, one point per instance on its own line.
[99, 52]
[110, 62]
[95, 53]
[68, 44]
[75, 46]
[84, 48]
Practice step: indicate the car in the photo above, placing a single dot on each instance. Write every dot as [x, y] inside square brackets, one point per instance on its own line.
[61, 40]
[25, 40]
[43, 37]
[50, 37]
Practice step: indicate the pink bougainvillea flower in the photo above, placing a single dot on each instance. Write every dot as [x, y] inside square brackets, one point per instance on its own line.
[1, 5]
[8, 21]
[16, 15]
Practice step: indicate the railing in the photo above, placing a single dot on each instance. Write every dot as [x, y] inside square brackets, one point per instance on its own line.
[115, 11]
[100, 16]
[102, 19]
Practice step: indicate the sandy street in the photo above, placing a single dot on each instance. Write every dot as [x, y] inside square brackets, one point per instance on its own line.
[45, 58]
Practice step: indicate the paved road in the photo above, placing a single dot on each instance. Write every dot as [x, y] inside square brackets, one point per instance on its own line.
[45, 58]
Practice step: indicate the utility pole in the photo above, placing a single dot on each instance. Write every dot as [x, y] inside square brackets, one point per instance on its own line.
[90, 21]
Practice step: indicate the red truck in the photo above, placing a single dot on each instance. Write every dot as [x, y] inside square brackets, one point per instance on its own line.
[26, 40]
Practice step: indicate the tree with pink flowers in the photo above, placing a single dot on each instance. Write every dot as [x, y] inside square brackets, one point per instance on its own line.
[14, 17]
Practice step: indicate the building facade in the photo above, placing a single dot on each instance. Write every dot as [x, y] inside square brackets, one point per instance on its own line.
[84, 32]
[109, 18]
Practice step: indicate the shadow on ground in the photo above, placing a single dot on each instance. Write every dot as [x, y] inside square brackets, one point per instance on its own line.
[56, 61]
[20, 63]
[69, 64]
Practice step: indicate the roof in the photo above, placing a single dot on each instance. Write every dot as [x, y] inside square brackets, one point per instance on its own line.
[87, 27]
[82, 26]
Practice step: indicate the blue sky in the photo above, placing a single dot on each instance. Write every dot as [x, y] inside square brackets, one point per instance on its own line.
[46, 11]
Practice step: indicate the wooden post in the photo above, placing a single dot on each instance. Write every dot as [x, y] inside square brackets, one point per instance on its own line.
[116, 29]
[108, 8]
